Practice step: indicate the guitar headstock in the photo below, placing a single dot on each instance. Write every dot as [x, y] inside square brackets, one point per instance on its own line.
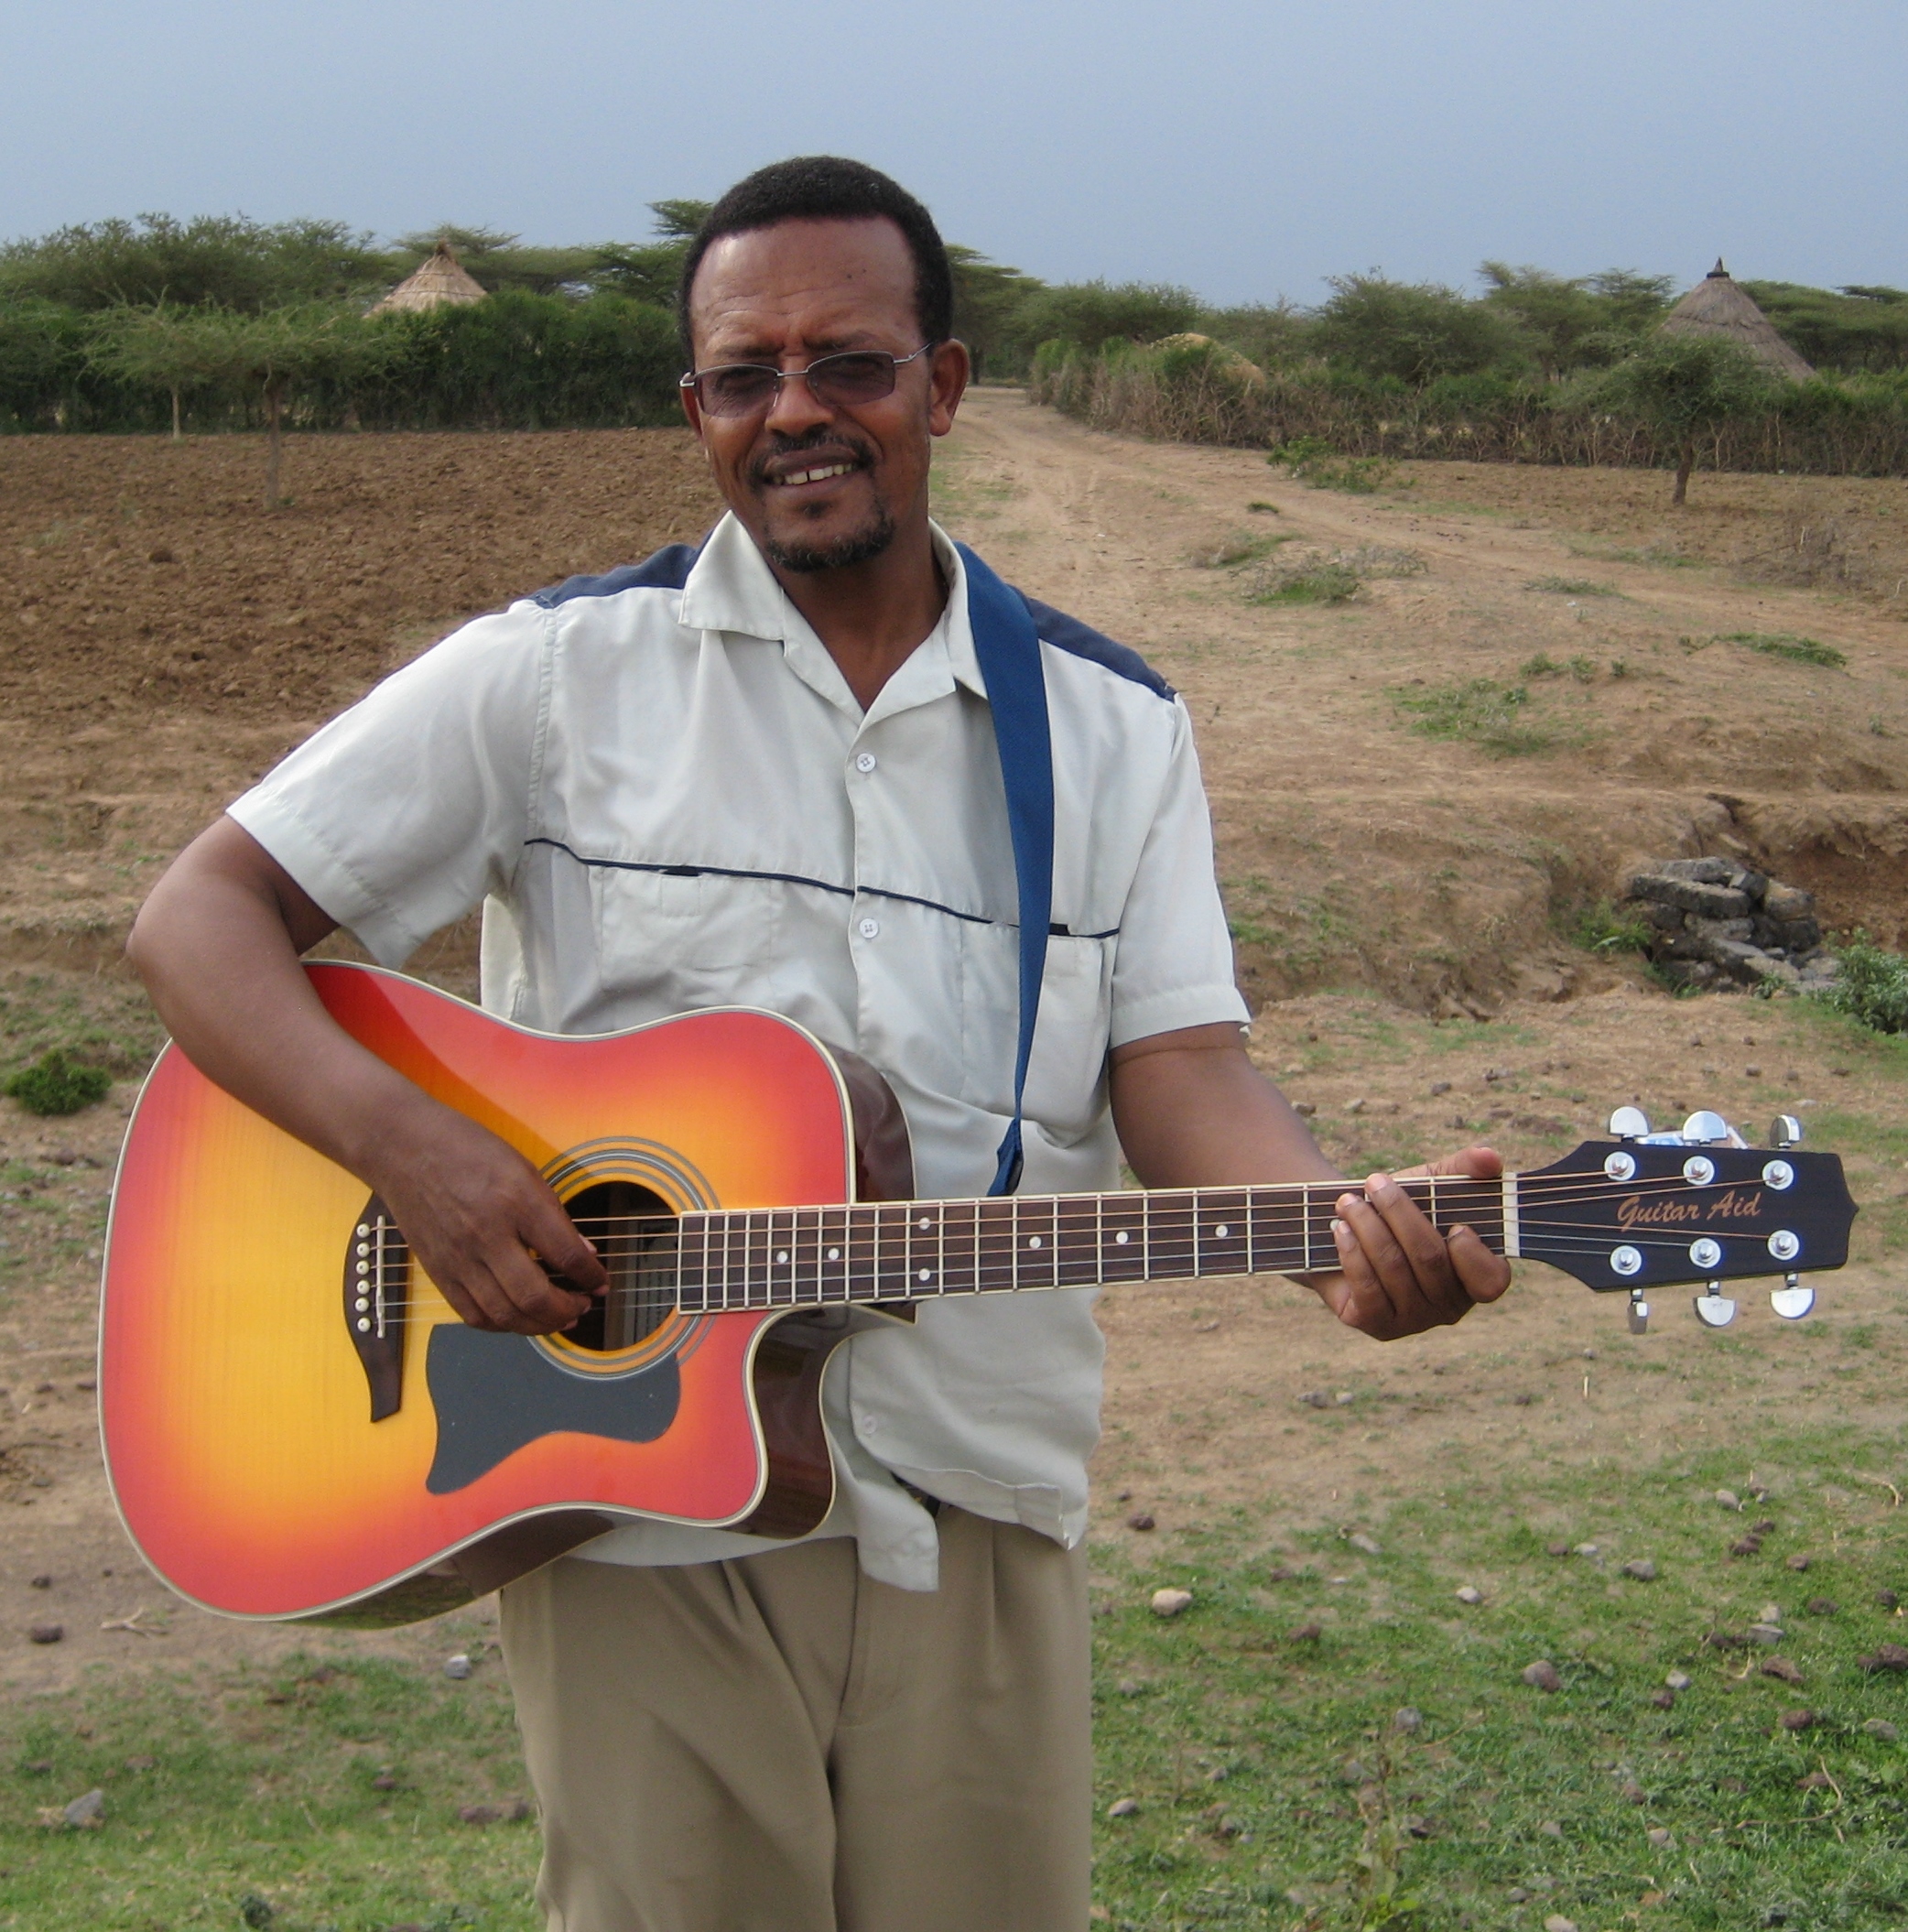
[1647, 1210]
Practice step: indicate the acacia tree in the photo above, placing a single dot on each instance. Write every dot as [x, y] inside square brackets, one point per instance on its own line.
[1684, 388]
[267, 354]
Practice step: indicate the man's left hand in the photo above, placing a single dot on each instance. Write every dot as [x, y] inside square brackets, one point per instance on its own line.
[1398, 1275]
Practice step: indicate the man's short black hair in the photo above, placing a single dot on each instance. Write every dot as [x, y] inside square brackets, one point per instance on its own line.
[826, 187]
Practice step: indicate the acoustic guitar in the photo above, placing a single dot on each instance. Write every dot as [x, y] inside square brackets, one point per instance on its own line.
[296, 1425]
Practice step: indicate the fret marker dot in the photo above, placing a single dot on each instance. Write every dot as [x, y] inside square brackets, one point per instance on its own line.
[924, 1223]
[781, 1257]
[834, 1254]
[1032, 1241]
[1121, 1238]
[1223, 1232]
[926, 1274]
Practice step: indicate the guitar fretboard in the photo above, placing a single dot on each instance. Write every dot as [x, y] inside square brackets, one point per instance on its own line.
[792, 1257]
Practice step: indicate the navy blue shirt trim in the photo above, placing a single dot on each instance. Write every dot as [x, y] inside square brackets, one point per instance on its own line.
[667, 569]
[1078, 640]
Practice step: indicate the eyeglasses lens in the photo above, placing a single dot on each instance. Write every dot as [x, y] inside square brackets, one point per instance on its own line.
[747, 388]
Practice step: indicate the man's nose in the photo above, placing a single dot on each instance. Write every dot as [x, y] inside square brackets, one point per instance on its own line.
[796, 409]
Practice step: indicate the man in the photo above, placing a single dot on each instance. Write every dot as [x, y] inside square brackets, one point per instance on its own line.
[766, 774]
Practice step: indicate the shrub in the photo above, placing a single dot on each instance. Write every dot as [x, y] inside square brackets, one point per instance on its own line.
[1873, 985]
[1327, 582]
[1479, 711]
[1312, 460]
[57, 1083]
[1602, 928]
[1785, 644]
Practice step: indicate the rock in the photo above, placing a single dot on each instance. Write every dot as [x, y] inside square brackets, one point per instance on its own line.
[1782, 1668]
[457, 1668]
[1822, 1606]
[1815, 1781]
[1585, 1549]
[42, 1582]
[1632, 1793]
[1887, 1656]
[1691, 896]
[510, 1811]
[1798, 1561]
[1122, 1807]
[1678, 1680]
[1660, 1838]
[1543, 1676]
[1663, 1699]
[1766, 1527]
[1755, 884]
[1886, 1600]
[1706, 871]
[1303, 1109]
[1729, 1499]
[1746, 1547]
[1726, 1640]
[1357, 1106]
[1796, 1720]
[1407, 1719]
[1438, 1087]
[46, 1632]
[1642, 1569]
[1282, 1573]
[1517, 1896]
[1788, 902]
[1316, 1398]
[1353, 1772]
[383, 1781]
[1169, 1602]
[1556, 1922]
[1470, 1594]
[1359, 1540]
[1551, 1829]
[87, 1813]
[140, 1764]
[1305, 1633]
[1880, 1728]
[1557, 1549]
[1140, 1519]
[1770, 1634]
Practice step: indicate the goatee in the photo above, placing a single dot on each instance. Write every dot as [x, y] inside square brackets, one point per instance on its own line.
[858, 547]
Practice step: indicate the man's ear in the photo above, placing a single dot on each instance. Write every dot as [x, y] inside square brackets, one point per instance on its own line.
[948, 380]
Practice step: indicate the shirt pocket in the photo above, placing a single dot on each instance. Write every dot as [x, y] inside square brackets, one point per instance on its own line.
[1065, 1091]
[677, 942]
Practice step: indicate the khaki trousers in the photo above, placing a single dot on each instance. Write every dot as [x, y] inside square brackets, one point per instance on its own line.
[781, 1744]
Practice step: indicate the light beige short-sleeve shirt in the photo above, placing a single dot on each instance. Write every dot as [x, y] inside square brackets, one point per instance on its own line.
[662, 791]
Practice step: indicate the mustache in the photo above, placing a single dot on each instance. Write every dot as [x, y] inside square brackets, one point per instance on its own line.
[820, 441]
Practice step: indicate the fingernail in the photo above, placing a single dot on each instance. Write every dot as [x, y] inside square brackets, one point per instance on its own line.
[1377, 1181]
[1346, 1203]
[1340, 1232]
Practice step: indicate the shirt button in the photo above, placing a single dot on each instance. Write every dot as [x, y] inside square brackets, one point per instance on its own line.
[871, 928]
[865, 761]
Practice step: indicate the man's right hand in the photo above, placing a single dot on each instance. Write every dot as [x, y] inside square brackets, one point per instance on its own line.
[218, 944]
[483, 1224]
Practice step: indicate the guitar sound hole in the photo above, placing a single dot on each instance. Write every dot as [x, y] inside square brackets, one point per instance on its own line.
[634, 1233]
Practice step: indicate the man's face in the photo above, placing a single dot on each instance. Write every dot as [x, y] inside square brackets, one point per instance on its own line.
[821, 486]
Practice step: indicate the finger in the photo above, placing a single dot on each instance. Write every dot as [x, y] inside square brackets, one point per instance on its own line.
[1427, 1279]
[1368, 1256]
[549, 1232]
[474, 1294]
[1485, 1276]
[538, 1306]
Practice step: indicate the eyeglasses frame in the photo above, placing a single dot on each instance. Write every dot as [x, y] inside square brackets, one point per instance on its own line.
[694, 376]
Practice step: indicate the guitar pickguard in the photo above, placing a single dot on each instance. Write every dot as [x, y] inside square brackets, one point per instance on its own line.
[497, 1393]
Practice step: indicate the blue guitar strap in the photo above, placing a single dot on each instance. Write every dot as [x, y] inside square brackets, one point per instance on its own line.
[1008, 648]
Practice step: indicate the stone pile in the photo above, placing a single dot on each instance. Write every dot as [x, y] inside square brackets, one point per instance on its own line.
[1720, 926]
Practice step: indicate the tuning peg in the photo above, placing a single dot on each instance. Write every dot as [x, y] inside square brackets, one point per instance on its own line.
[1715, 1309]
[1786, 1131]
[1705, 1129]
[1639, 1313]
[1630, 1124]
[1793, 1299]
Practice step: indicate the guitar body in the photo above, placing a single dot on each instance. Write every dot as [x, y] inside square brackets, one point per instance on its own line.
[241, 1362]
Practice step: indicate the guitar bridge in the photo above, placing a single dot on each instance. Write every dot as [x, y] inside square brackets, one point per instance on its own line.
[378, 1279]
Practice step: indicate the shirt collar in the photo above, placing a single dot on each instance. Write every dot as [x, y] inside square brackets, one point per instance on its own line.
[731, 587]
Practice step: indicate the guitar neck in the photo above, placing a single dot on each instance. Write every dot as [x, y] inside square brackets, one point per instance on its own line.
[891, 1250]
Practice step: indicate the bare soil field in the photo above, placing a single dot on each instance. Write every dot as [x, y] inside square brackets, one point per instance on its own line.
[1404, 902]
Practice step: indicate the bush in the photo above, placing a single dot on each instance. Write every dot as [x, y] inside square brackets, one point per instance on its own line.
[1602, 928]
[1873, 985]
[57, 1083]
[1785, 644]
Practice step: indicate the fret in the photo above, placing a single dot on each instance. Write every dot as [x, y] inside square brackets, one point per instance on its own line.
[1169, 1236]
[1277, 1223]
[893, 1224]
[831, 1258]
[735, 1264]
[1224, 1240]
[1123, 1237]
[1036, 1243]
[756, 1274]
[994, 1259]
[925, 1244]
[960, 1248]
[780, 1241]
[863, 1246]
[805, 1238]
[1077, 1241]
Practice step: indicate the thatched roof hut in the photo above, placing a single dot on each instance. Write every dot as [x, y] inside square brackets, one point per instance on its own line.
[1720, 306]
[440, 278]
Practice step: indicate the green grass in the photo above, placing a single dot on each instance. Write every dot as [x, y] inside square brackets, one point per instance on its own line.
[1313, 461]
[260, 1786]
[1479, 711]
[1275, 1789]
[1320, 583]
[1240, 549]
[1785, 644]
[102, 1019]
[1572, 587]
[1579, 668]
[1602, 928]
[57, 1083]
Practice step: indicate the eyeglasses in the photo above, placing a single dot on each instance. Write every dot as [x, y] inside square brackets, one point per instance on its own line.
[858, 375]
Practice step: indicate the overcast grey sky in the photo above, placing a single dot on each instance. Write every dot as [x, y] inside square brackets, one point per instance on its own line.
[1245, 149]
